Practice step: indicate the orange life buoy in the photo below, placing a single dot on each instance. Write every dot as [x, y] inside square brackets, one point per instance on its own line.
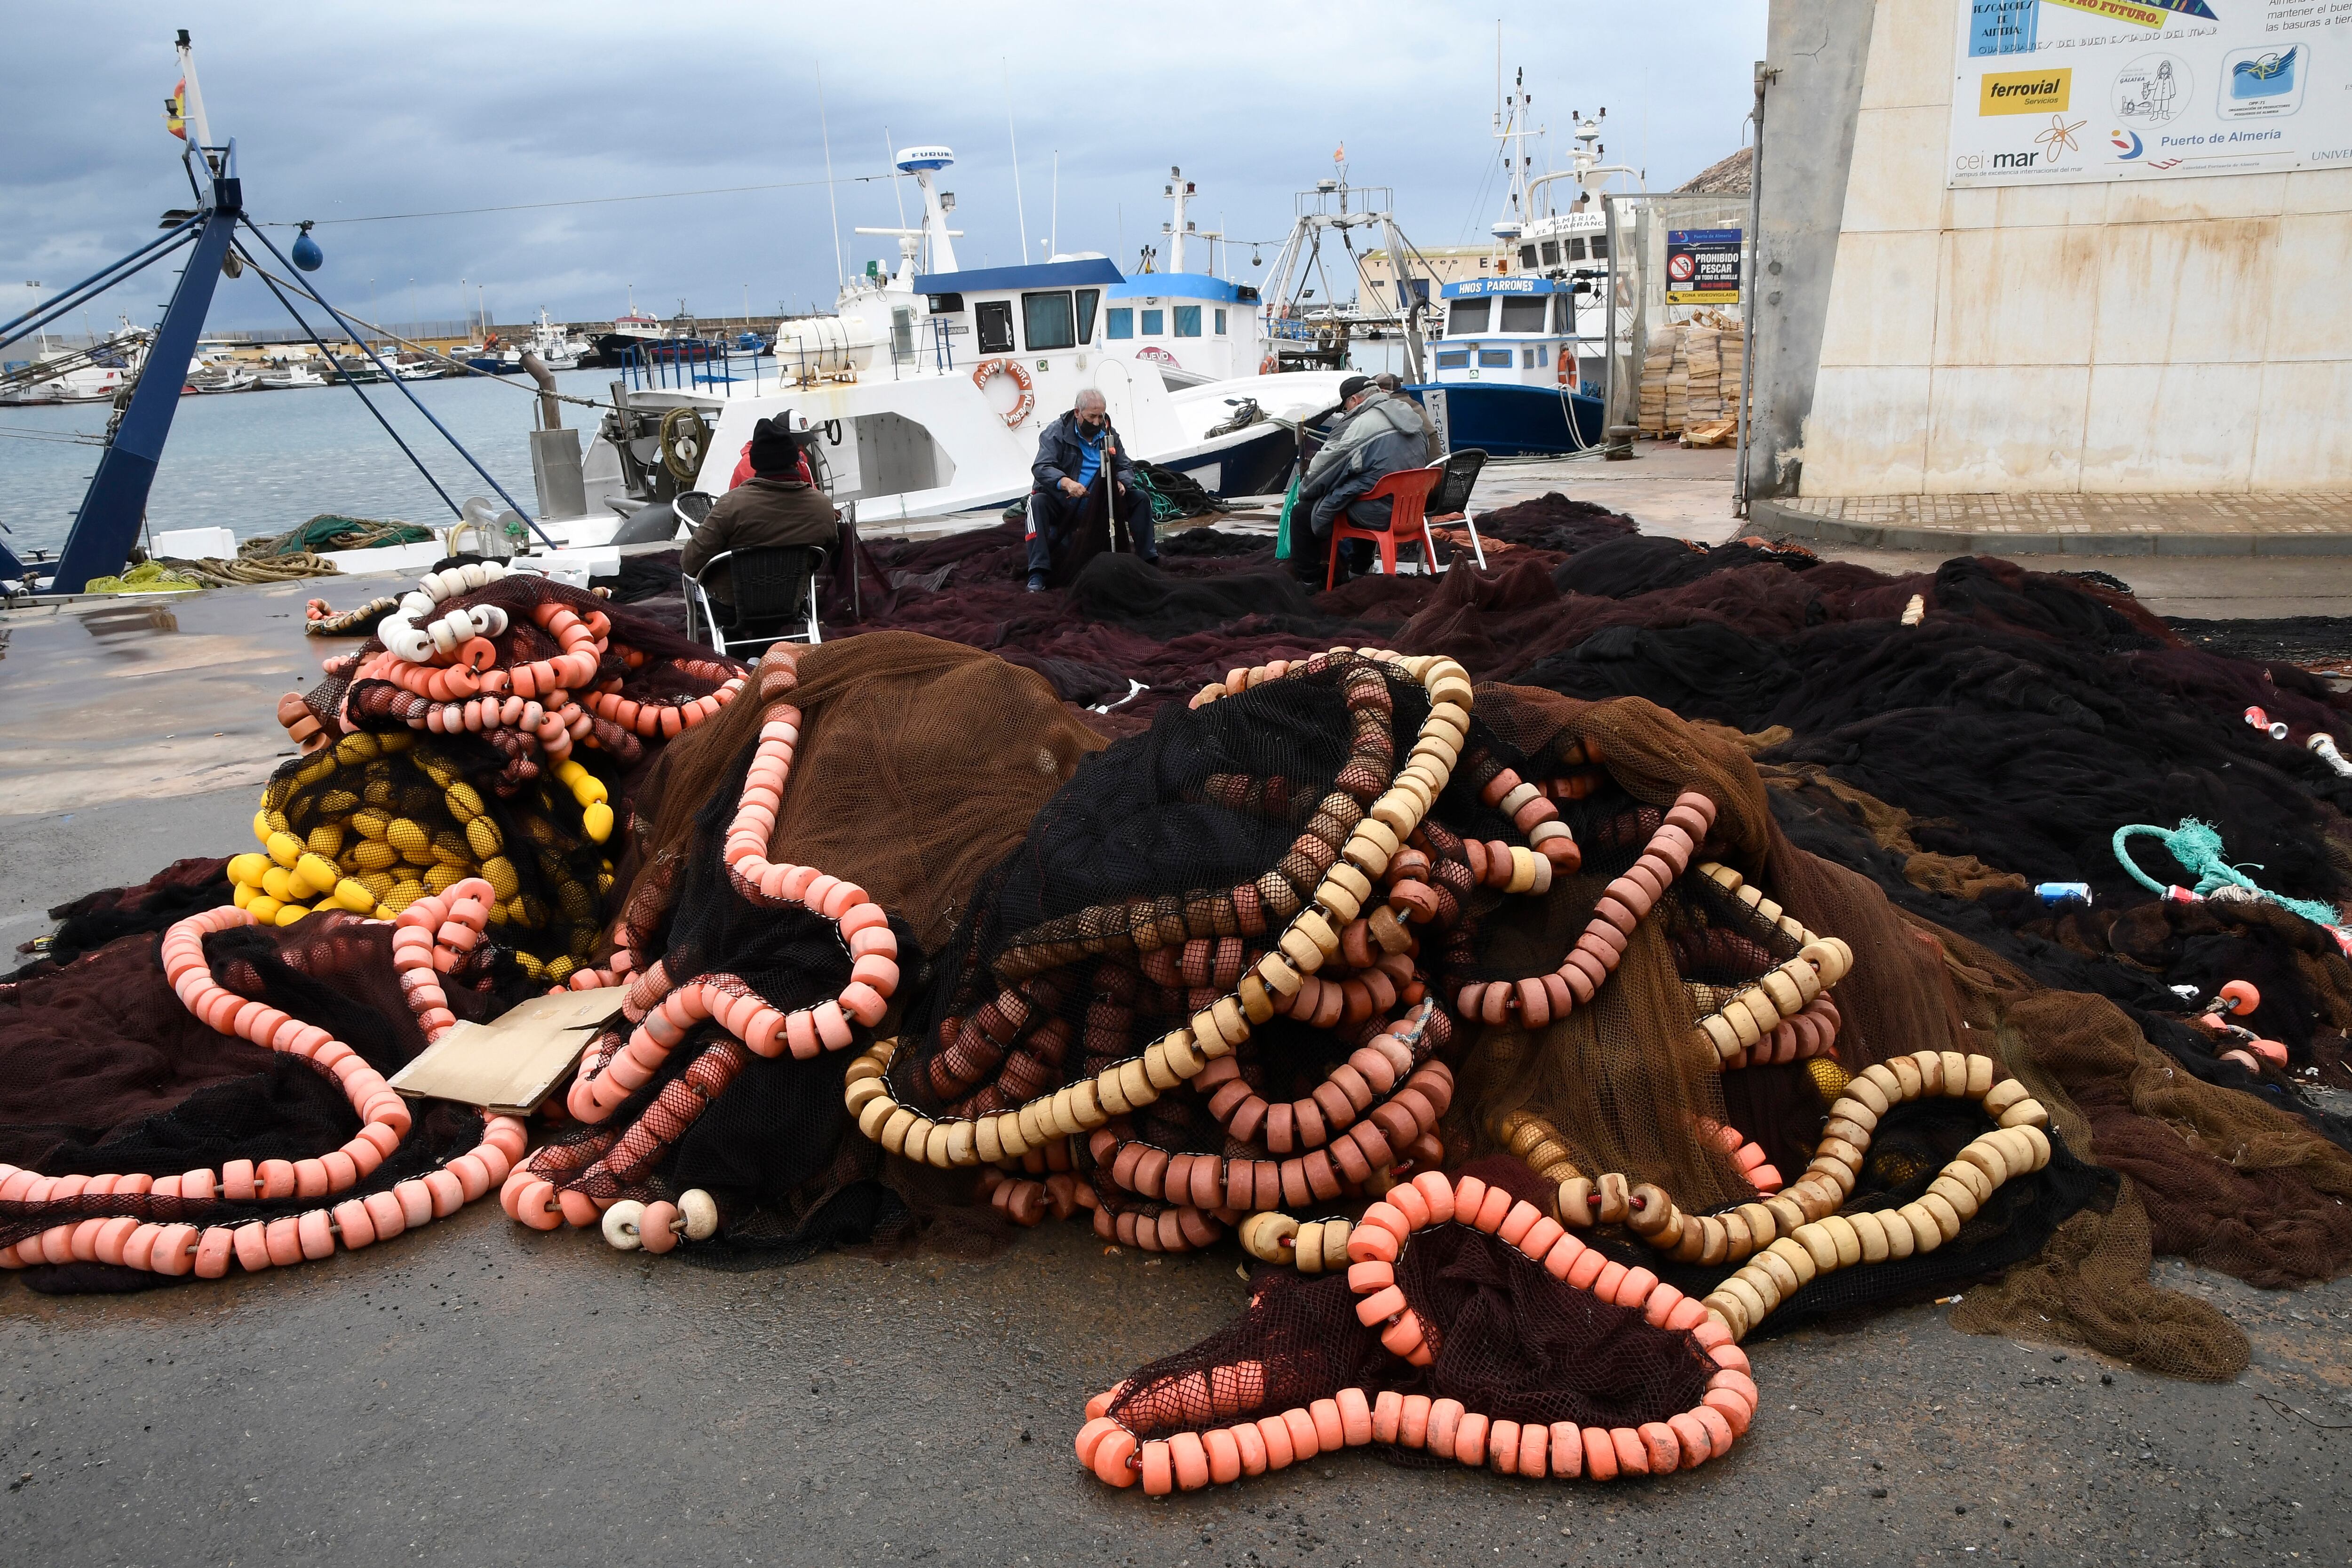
[1567, 363]
[1268, 366]
[1027, 401]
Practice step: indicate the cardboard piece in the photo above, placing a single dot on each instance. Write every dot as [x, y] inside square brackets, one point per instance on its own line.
[514, 1063]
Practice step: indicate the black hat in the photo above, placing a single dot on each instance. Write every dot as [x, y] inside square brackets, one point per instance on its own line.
[773, 450]
[1354, 385]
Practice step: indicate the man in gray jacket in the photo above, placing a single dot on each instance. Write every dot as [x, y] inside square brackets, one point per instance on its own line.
[1380, 433]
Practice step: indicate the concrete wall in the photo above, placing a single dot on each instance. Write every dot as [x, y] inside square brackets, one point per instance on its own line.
[1813, 56]
[2145, 337]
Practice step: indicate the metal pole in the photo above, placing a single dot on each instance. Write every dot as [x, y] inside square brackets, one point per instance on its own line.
[72, 297]
[106, 525]
[1748, 314]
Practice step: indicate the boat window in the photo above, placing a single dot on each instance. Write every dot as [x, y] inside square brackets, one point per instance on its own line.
[1494, 359]
[1454, 359]
[1121, 322]
[1153, 326]
[1087, 299]
[947, 304]
[1551, 253]
[1600, 248]
[902, 333]
[994, 318]
[1576, 248]
[1221, 323]
[1527, 256]
[1531, 359]
[1046, 322]
[1188, 320]
[1525, 313]
[1564, 322]
[1467, 316]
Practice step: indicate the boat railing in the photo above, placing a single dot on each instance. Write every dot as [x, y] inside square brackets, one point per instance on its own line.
[671, 367]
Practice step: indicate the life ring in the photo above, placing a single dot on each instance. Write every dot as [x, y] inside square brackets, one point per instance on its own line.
[1268, 366]
[1028, 399]
[1567, 363]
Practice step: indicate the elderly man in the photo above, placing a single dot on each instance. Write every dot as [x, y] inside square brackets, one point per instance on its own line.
[775, 506]
[1380, 433]
[1070, 457]
[1386, 382]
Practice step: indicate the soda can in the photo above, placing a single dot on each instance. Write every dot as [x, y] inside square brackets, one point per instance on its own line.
[2063, 892]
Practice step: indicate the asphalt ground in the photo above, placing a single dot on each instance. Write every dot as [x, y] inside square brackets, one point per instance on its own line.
[478, 1392]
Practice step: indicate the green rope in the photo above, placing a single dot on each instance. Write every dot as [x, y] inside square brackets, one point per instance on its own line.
[2197, 845]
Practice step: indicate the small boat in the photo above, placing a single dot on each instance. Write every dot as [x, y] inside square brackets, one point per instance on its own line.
[556, 347]
[220, 378]
[419, 369]
[358, 369]
[291, 374]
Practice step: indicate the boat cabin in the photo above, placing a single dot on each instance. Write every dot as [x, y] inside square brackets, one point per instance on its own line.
[1513, 331]
[1193, 326]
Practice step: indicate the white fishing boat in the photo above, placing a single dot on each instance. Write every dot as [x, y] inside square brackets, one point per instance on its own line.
[556, 346]
[221, 378]
[291, 374]
[930, 385]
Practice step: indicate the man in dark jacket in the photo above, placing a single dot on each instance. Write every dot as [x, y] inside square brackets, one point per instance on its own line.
[1070, 455]
[774, 507]
[1380, 434]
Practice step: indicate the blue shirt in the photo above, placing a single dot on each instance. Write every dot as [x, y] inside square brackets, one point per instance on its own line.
[1091, 464]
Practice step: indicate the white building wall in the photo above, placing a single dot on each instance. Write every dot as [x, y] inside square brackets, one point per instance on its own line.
[2149, 337]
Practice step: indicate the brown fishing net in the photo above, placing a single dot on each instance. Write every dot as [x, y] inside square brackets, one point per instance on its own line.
[103, 1069]
[920, 763]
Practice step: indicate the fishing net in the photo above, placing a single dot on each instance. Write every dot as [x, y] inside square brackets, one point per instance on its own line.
[94, 919]
[946, 754]
[1507, 1340]
[108, 1074]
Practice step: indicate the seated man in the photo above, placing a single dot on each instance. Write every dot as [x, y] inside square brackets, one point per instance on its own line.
[1380, 433]
[1070, 455]
[774, 507]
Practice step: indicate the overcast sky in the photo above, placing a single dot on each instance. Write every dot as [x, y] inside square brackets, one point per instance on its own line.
[343, 112]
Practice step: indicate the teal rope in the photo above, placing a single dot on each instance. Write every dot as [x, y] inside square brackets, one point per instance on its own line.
[2197, 845]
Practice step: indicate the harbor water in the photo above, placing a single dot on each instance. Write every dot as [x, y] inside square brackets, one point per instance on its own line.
[263, 462]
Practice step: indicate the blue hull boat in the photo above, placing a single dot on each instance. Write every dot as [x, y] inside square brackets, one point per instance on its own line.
[1503, 420]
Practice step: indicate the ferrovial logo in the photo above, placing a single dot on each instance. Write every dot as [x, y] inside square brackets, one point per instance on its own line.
[2025, 93]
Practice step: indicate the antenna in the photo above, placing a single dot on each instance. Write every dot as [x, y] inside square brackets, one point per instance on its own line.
[833, 209]
[1018, 212]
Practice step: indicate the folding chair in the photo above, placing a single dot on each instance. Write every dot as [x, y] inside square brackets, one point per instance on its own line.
[1407, 490]
[774, 585]
[1451, 503]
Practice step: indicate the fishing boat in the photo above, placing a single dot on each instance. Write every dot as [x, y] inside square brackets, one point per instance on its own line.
[1523, 357]
[930, 386]
[221, 378]
[358, 370]
[291, 374]
[556, 346]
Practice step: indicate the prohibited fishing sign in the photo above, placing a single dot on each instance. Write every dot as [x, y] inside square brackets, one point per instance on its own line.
[1702, 267]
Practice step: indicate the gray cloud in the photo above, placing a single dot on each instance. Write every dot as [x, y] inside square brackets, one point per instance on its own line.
[342, 112]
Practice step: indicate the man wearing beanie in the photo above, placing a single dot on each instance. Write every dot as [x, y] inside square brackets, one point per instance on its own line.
[1379, 434]
[774, 507]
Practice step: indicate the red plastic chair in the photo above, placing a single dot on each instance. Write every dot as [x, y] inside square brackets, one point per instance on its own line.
[1408, 491]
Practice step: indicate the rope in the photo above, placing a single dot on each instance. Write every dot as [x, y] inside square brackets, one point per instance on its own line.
[2198, 846]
